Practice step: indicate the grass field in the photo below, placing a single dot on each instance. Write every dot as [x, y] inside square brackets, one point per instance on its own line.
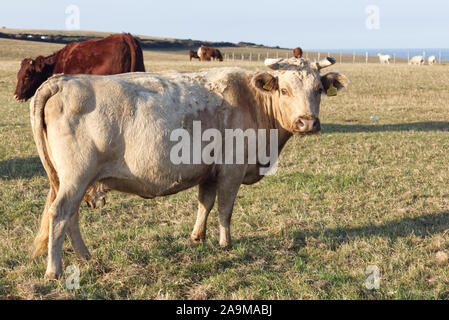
[361, 193]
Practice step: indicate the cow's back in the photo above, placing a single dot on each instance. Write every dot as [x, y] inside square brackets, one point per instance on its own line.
[116, 54]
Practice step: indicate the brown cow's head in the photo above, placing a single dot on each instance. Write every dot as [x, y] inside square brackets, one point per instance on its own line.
[31, 75]
[219, 56]
[296, 88]
[297, 52]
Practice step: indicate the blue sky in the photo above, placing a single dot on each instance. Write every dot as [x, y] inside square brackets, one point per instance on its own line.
[337, 24]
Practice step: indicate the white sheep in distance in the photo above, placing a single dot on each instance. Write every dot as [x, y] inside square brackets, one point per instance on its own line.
[417, 60]
[384, 58]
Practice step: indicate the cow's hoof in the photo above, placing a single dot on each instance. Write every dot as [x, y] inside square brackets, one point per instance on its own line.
[226, 246]
[85, 254]
[197, 239]
[51, 276]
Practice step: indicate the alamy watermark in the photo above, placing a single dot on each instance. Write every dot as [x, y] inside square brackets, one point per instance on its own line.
[72, 21]
[372, 21]
[372, 282]
[73, 280]
[189, 148]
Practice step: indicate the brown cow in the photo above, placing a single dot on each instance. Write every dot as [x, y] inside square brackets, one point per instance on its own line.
[206, 54]
[297, 53]
[193, 54]
[115, 54]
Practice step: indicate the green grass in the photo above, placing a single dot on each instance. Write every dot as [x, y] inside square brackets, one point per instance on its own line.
[361, 193]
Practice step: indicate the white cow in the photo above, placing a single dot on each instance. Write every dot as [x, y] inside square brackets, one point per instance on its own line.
[417, 60]
[384, 58]
[117, 132]
[432, 60]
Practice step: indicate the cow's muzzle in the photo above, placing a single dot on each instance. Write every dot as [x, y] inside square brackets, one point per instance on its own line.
[19, 99]
[307, 125]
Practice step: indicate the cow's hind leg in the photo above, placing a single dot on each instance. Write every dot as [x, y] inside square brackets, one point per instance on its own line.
[76, 238]
[206, 199]
[67, 202]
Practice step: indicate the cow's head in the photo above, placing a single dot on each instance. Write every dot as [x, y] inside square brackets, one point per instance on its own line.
[31, 75]
[219, 56]
[297, 52]
[297, 87]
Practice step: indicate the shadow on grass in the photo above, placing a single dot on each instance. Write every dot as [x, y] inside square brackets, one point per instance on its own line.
[24, 168]
[412, 126]
[424, 225]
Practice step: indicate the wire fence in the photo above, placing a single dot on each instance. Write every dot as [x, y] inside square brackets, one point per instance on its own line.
[355, 57]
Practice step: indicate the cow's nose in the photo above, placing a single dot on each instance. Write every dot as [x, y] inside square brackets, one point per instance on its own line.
[307, 124]
[16, 96]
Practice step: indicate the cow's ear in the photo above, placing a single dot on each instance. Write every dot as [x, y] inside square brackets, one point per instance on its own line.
[39, 63]
[332, 81]
[25, 62]
[266, 82]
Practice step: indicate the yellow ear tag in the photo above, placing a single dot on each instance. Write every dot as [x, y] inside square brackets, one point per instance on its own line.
[332, 91]
[267, 87]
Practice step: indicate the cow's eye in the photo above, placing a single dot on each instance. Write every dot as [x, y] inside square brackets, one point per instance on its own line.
[284, 91]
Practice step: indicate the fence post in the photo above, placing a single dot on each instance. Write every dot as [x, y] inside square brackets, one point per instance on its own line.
[353, 57]
[340, 57]
[250, 56]
[394, 58]
[318, 56]
[408, 57]
[243, 57]
[267, 54]
[277, 55]
[366, 57]
[440, 57]
[258, 57]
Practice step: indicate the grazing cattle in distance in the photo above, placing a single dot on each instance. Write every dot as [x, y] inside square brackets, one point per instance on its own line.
[193, 54]
[118, 53]
[384, 58]
[297, 52]
[131, 149]
[431, 60]
[206, 54]
[417, 60]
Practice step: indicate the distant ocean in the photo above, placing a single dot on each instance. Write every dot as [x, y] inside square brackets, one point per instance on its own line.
[400, 53]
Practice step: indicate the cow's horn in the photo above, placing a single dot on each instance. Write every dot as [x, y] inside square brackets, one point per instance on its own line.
[326, 62]
[273, 63]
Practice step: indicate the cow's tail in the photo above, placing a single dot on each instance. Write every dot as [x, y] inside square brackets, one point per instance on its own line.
[37, 105]
[136, 53]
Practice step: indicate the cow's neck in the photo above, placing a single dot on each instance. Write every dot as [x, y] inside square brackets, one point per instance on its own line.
[50, 62]
[269, 116]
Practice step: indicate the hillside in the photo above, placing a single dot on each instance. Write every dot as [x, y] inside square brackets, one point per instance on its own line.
[64, 37]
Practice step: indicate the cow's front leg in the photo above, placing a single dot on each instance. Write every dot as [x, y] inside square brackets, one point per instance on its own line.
[226, 192]
[206, 198]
